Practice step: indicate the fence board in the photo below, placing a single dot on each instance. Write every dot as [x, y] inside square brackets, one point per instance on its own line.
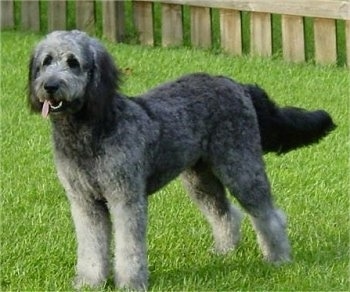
[7, 14]
[113, 20]
[325, 41]
[231, 31]
[143, 19]
[56, 15]
[312, 8]
[172, 26]
[260, 34]
[293, 42]
[292, 11]
[30, 15]
[347, 39]
[85, 15]
[200, 27]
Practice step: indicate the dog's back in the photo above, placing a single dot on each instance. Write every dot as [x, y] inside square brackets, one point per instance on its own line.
[281, 129]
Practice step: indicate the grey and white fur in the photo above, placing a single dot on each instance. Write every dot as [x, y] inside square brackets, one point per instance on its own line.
[112, 152]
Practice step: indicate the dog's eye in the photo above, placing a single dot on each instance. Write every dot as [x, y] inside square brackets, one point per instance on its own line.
[47, 60]
[73, 63]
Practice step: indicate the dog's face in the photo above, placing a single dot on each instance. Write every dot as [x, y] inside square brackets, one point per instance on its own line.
[67, 69]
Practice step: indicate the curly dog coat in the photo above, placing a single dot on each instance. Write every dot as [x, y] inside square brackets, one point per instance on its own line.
[111, 152]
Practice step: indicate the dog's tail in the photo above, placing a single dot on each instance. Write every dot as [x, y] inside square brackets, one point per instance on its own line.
[285, 129]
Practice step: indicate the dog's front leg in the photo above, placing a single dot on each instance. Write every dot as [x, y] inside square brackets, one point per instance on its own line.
[93, 229]
[129, 217]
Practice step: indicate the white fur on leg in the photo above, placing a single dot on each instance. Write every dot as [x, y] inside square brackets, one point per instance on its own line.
[131, 272]
[93, 248]
[226, 229]
[131, 269]
[272, 238]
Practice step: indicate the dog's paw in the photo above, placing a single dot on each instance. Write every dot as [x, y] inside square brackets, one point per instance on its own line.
[80, 282]
[133, 285]
[227, 233]
[275, 244]
[278, 260]
[132, 281]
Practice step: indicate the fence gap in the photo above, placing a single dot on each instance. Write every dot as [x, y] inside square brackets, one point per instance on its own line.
[293, 42]
[260, 34]
[215, 29]
[186, 23]
[325, 41]
[143, 20]
[231, 31]
[56, 14]
[157, 23]
[309, 39]
[276, 34]
[200, 27]
[113, 20]
[245, 19]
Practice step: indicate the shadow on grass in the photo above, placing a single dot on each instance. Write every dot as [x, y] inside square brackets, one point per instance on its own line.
[221, 273]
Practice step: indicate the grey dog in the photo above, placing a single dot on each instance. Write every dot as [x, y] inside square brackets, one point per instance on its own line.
[111, 152]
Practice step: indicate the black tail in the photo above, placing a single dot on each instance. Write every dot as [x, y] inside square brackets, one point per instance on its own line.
[285, 129]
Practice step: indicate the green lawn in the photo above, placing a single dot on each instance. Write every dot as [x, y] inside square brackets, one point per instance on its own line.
[311, 184]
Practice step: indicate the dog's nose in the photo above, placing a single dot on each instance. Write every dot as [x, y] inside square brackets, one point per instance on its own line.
[51, 86]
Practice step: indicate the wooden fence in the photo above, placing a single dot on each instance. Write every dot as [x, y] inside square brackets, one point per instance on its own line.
[325, 15]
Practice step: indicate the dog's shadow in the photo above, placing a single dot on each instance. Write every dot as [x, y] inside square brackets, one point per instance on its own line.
[211, 274]
[208, 276]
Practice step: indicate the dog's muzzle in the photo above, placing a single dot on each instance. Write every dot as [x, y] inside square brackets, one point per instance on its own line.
[52, 104]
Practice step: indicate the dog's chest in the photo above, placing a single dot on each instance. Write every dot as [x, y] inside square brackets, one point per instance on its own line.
[80, 178]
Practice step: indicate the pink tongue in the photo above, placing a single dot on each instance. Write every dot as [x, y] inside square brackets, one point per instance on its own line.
[45, 109]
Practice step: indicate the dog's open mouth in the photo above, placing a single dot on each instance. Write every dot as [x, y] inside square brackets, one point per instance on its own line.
[51, 106]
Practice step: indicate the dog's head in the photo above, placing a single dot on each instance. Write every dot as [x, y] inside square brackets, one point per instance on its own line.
[70, 71]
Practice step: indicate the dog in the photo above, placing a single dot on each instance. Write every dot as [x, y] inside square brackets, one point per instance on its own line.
[111, 152]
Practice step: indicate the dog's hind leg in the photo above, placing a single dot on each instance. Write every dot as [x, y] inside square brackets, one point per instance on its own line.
[241, 169]
[93, 229]
[248, 183]
[208, 194]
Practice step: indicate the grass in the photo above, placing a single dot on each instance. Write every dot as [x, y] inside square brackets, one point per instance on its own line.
[311, 184]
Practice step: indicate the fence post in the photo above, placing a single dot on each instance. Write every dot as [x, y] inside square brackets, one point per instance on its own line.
[113, 17]
[325, 41]
[260, 34]
[347, 39]
[85, 15]
[56, 14]
[30, 15]
[7, 14]
[293, 43]
[231, 31]
[172, 26]
[200, 27]
[143, 19]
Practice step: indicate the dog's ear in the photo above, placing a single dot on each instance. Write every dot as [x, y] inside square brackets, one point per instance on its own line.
[105, 73]
[33, 101]
[104, 80]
